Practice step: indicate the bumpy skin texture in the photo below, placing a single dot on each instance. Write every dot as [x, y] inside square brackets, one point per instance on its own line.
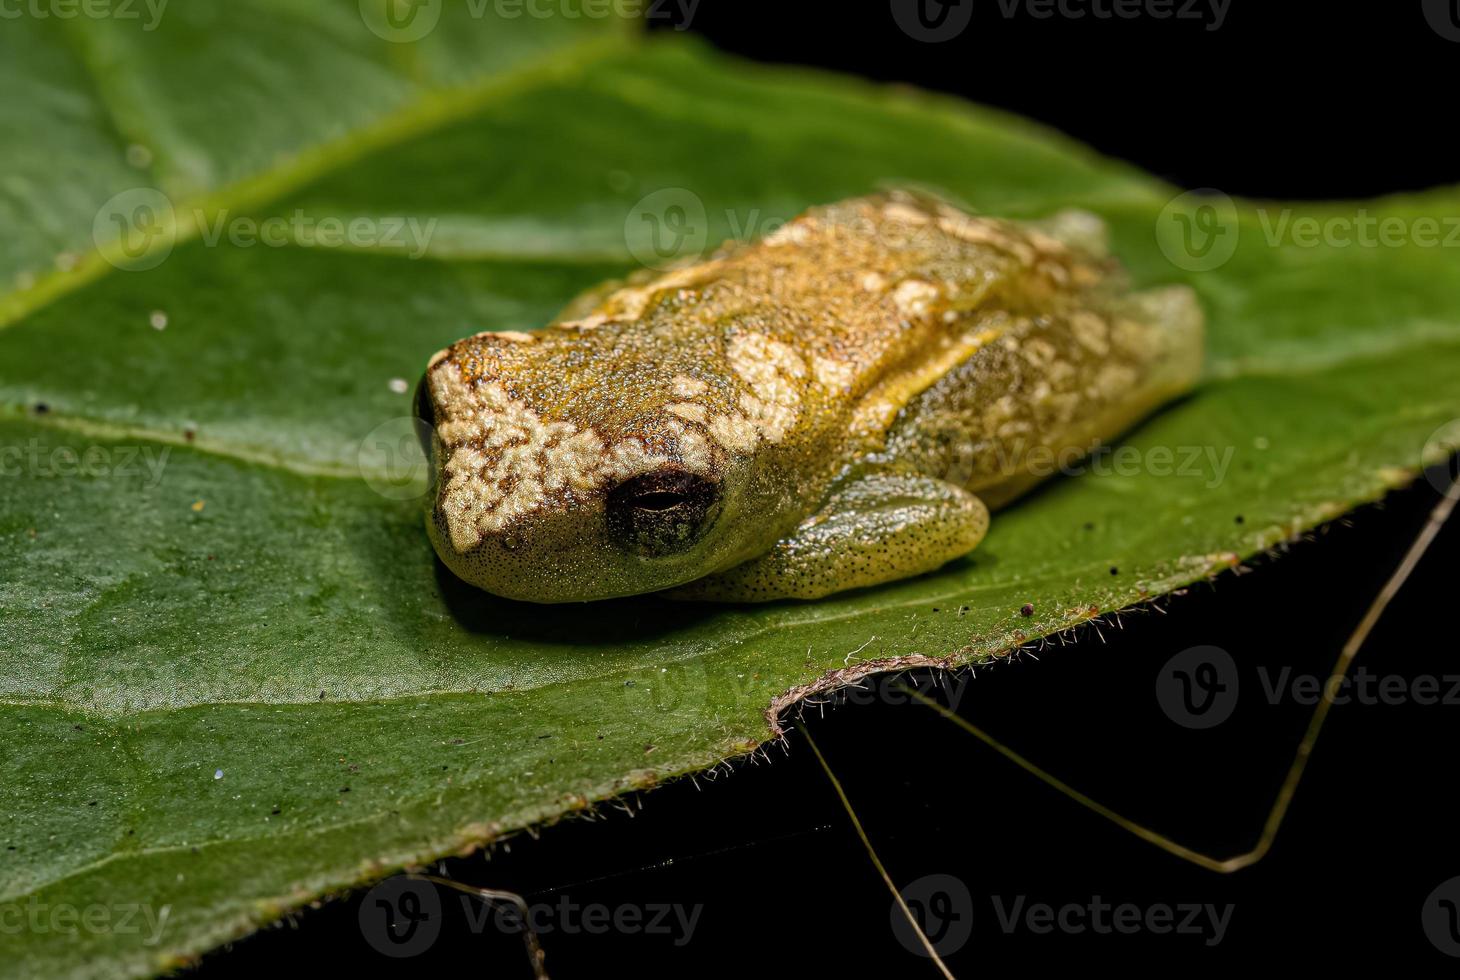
[795, 416]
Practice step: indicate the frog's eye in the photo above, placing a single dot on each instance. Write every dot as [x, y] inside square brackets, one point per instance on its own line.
[661, 512]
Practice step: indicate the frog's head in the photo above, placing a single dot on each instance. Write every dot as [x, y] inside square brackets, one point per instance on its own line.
[562, 475]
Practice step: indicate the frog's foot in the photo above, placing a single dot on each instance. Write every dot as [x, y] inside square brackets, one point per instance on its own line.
[881, 528]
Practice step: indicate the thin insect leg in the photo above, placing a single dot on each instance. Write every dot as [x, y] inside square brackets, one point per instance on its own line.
[1304, 751]
[535, 954]
[876, 861]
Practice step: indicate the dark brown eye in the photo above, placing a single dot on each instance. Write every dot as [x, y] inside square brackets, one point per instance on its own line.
[661, 512]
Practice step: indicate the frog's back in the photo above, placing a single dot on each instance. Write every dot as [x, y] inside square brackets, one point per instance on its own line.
[898, 328]
[814, 338]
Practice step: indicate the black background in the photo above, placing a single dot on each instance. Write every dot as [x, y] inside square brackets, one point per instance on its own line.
[1283, 100]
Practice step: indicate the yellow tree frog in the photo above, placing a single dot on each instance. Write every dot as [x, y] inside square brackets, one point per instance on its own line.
[833, 406]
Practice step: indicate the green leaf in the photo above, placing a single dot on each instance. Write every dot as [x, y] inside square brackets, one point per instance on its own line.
[232, 676]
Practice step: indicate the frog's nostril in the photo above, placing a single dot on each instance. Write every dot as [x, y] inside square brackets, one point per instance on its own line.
[662, 511]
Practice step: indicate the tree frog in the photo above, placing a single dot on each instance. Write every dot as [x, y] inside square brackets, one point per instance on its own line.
[834, 406]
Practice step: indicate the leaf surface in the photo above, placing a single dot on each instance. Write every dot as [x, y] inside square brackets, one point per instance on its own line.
[232, 676]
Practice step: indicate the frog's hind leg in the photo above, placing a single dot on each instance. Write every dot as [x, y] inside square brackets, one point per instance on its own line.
[882, 527]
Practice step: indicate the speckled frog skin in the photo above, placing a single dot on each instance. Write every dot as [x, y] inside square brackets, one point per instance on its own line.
[834, 406]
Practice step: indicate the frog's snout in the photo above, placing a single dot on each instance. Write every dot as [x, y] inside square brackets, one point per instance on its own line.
[535, 496]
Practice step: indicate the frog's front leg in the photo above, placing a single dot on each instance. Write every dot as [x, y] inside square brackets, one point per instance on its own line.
[880, 528]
